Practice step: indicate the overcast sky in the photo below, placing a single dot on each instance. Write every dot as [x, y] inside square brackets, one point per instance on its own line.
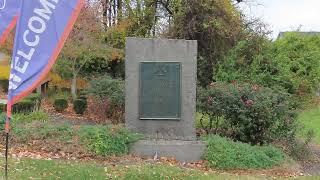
[286, 15]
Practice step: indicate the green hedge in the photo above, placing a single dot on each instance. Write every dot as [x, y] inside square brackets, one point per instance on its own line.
[80, 106]
[60, 104]
[224, 153]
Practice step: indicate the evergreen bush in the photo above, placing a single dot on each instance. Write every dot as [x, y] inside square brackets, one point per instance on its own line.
[60, 104]
[80, 106]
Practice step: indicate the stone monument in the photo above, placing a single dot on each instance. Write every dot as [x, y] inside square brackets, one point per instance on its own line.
[161, 80]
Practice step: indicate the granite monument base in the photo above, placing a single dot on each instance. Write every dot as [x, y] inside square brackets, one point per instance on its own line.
[183, 151]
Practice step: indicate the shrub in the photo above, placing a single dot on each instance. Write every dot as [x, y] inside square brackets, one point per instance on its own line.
[107, 140]
[60, 105]
[223, 153]
[24, 106]
[109, 92]
[249, 113]
[79, 106]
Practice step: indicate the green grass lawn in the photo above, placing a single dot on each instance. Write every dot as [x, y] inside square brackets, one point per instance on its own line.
[44, 169]
[311, 120]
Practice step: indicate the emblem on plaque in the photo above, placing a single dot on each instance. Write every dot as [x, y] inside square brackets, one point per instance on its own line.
[160, 69]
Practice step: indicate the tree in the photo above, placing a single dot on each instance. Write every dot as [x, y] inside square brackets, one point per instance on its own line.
[83, 44]
[216, 25]
[290, 63]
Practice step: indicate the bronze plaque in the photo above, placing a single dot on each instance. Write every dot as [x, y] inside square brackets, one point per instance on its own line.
[160, 91]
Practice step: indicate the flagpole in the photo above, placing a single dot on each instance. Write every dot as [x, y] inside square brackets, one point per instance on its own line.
[6, 154]
[7, 131]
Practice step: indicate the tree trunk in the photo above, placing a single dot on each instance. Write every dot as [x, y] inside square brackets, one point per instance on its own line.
[74, 86]
[74, 79]
[114, 12]
[155, 18]
[119, 6]
[105, 6]
[110, 13]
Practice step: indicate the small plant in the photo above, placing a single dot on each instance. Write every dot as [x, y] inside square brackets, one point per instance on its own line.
[107, 140]
[224, 153]
[80, 106]
[60, 105]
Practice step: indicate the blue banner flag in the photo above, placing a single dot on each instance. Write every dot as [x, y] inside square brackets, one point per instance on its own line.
[9, 13]
[42, 30]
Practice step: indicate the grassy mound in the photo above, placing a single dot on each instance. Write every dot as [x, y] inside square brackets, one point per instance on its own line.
[223, 153]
